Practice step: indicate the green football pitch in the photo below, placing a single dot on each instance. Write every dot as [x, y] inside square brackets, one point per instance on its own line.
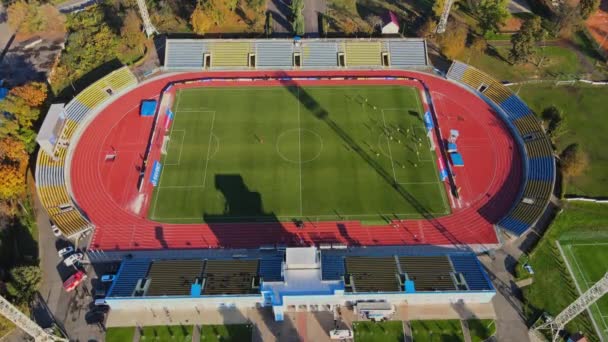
[588, 261]
[297, 153]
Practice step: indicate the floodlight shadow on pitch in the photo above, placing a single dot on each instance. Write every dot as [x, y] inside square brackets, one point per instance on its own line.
[241, 204]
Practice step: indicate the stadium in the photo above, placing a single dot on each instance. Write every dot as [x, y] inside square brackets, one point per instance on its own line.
[261, 161]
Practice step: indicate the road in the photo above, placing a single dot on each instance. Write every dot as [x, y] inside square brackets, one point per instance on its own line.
[68, 310]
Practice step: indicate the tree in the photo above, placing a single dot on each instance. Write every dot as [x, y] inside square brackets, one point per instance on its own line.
[25, 280]
[479, 45]
[574, 160]
[452, 41]
[438, 6]
[19, 110]
[34, 93]
[428, 28]
[31, 17]
[297, 6]
[587, 7]
[375, 22]
[199, 20]
[556, 122]
[12, 181]
[567, 19]
[12, 151]
[133, 38]
[491, 14]
[524, 43]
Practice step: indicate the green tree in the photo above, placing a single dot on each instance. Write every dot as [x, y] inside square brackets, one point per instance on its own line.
[297, 6]
[524, 43]
[555, 122]
[19, 110]
[491, 14]
[587, 7]
[25, 281]
[567, 19]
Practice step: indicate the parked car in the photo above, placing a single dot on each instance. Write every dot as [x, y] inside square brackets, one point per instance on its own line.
[107, 278]
[55, 230]
[73, 259]
[76, 279]
[65, 251]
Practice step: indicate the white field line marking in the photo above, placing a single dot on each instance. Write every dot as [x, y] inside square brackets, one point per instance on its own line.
[389, 147]
[576, 281]
[587, 279]
[208, 149]
[288, 217]
[162, 173]
[181, 148]
[300, 149]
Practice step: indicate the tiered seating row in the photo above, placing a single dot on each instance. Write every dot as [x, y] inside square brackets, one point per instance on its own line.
[184, 53]
[130, 272]
[319, 54]
[332, 267]
[173, 277]
[370, 274]
[230, 54]
[271, 268]
[540, 172]
[50, 173]
[429, 273]
[230, 276]
[277, 53]
[406, 53]
[470, 268]
[363, 53]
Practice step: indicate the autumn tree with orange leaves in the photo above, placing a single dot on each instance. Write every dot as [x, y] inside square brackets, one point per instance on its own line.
[33, 93]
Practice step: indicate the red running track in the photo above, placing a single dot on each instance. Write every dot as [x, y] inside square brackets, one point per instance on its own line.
[107, 191]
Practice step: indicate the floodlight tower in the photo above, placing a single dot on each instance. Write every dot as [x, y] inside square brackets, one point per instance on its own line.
[595, 292]
[145, 17]
[443, 20]
[30, 327]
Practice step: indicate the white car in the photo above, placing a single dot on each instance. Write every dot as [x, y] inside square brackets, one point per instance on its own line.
[65, 251]
[55, 230]
[72, 259]
[106, 278]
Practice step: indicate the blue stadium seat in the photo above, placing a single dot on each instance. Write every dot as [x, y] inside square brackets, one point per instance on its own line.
[271, 267]
[541, 168]
[470, 268]
[126, 279]
[513, 225]
[515, 107]
[332, 267]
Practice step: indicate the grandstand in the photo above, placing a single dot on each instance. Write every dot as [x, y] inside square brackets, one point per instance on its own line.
[539, 162]
[217, 281]
[51, 184]
[285, 54]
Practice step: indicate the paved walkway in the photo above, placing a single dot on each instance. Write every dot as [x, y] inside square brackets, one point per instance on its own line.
[510, 324]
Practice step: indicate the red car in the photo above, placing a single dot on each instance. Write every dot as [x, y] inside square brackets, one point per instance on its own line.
[76, 279]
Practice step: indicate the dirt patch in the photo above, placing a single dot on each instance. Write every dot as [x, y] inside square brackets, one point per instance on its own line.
[598, 25]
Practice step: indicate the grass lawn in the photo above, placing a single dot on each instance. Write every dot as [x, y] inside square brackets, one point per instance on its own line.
[584, 108]
[161, 333]
[553, 288]
[378, 332]
[481, 329]
[437, 331]
[587, 256]
[226, 333]
[559, 62]
[286, 153]
[120, 334]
